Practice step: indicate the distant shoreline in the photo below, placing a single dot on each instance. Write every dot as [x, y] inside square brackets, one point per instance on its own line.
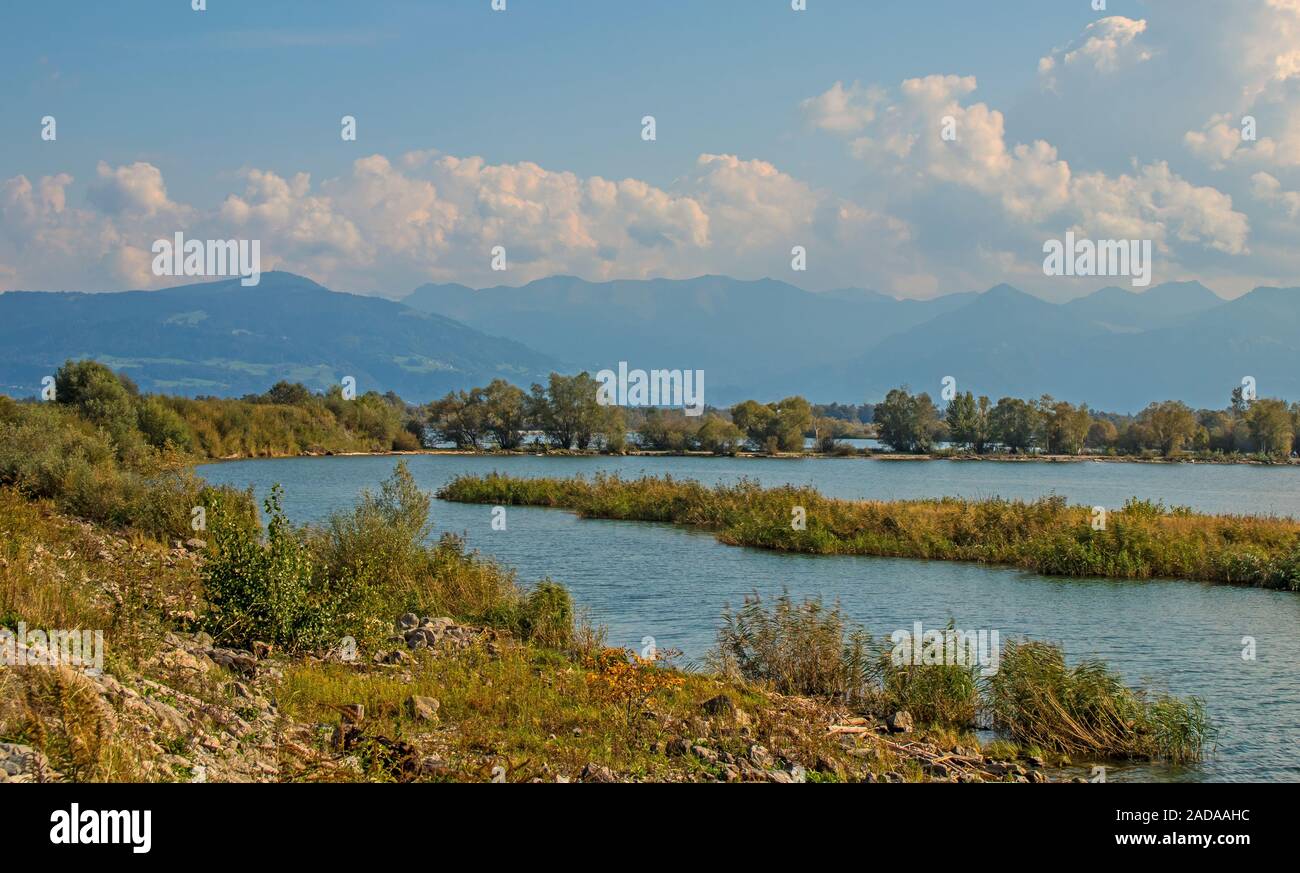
[788, 456]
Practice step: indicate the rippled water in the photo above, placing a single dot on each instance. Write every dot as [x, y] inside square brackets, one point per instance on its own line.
[671, 584]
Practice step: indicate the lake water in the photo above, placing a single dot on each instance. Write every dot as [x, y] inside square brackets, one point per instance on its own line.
[649, 580]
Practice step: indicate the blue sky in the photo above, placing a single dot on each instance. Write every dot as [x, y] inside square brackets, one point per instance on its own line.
[203, 98]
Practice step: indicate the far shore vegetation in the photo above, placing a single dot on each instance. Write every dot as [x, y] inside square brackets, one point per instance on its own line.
[563, 416]
[1141, 540]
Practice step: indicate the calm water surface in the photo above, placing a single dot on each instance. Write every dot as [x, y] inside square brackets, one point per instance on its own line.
[671, 584]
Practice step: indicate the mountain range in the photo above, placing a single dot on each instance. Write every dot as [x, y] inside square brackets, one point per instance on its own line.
[223, 339]
[1115, 349]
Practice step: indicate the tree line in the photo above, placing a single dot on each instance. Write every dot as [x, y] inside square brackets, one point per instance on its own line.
[909, 422]
[288, 419]
[564, 413]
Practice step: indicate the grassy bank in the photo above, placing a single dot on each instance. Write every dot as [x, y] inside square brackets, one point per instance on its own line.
[796, 693]
[259, 650]
[514, 704]
[1140, 540]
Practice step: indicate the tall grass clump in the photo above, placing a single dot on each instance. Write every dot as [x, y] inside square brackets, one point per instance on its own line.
[794, 648]
[1033, 697]
[1087, 710]
[939, 695]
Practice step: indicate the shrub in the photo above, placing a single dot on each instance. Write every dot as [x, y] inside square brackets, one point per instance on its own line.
[162, 426]
[793, 648]
[1040, 701]
[302, 589]
[262, 590]
[940, 695]
[47, 451]
[546, 615]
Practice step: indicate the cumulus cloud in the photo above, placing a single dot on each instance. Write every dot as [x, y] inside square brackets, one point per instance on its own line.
[910, 211]
[1268, 189]
[1259, 60]
[842, 109]
[1034, 186]
[1107, 45]
[427, 216]
[134, 188]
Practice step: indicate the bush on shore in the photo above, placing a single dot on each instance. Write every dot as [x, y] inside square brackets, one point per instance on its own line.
[305, 589]
[1034, 697]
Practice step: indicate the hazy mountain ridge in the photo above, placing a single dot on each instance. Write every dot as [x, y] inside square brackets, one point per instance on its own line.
[1113, 349]
[739, 332]
[224, 339]
[1009, 343]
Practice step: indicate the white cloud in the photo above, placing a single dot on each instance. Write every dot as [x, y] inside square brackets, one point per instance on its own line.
[1035, 188]
[1259, 60]
[842, 109]
[429, 216]
[1108, 45]
[1269, 189]
[135, 188]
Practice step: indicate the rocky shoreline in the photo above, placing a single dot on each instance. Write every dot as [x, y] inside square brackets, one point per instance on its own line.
[218, 719]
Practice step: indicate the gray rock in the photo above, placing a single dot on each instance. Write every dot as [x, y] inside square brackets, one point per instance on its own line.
[596, 773]
[422, 708]
[901, 722]
[705, 754]
[722, 705]
[761, 757]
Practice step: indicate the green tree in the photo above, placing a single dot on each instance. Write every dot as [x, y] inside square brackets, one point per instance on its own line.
[1016, 424]
[1271, 426]
[1102, 434]
[968, 422]
[505, 415]
[567, 411]
[1065, 427]
[459, 418]
[755, 420]
[776, 426]
[665, 431]
[792, 417]
[719, 436]
[288, 394]
[1240, 402]
[99, 396]
[1169, 425]
[907, 422]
